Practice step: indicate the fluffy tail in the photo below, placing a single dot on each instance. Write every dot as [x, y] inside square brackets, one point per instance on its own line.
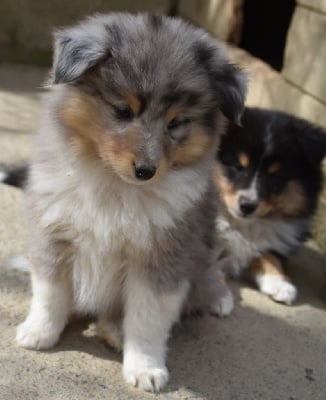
[14, 176]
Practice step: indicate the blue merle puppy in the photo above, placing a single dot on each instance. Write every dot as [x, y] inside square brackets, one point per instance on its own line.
[120, 196]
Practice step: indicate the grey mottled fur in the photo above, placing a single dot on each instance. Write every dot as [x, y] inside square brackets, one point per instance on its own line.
[164, 61]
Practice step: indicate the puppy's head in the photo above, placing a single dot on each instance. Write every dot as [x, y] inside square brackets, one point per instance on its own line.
[145, 94]
[271, 166]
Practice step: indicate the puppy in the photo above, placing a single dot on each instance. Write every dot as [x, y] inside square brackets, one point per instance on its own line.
[120, 197]
[269, 176]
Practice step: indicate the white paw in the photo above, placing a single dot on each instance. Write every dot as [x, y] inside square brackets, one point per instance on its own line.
[148, 379]
[277, 288]
[36, 336]
[223, 305]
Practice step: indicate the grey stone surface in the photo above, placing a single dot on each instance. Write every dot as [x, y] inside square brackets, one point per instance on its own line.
[305, 53]
[222, 18]
[268, 88]
[263, 350]
[20, 96]
[317, 5]
[26, 25]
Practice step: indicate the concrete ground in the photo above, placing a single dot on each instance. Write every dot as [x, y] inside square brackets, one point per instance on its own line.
[263, 350]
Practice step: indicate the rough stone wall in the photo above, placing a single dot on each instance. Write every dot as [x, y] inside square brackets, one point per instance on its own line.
[300, 88]
[222, 18]
[26, 25]
[305, 69]
[305, 54]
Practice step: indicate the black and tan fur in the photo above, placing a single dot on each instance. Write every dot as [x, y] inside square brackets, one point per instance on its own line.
[120, 197]
[269, 177]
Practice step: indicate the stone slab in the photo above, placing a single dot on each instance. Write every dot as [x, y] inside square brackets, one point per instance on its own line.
[317, 5]
[305, 53]
[220, 17]
[26, 26]
[20, 96]
[268, 88]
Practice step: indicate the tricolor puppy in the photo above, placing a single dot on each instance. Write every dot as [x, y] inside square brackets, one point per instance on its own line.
[120, 197]
[269, 177]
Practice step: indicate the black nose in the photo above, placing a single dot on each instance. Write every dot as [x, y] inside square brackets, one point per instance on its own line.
[247, 206]
[144, 172]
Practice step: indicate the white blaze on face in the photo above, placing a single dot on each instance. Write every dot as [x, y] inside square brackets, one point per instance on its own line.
[249, 195]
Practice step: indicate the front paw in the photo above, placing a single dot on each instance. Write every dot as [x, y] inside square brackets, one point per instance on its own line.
[278, 288]
[145, 378]
[34, 335]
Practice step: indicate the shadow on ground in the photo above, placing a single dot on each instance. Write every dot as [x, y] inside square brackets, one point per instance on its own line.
[262, 351]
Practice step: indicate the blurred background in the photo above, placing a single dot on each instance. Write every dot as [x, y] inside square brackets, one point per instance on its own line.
[281, 44]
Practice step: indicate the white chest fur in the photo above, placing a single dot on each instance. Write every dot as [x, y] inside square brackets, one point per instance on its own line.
[246, 240]
[109, 223]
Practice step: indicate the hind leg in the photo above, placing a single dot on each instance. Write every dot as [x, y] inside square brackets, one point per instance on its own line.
[111, 331]
[267, 272]
[211, 294]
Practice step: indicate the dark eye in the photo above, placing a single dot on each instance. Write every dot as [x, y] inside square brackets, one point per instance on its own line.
[175, 123]
[237, 167]
[124, 113]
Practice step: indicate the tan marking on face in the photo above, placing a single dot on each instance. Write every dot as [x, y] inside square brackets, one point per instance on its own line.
[244, 159]
[91, 137]
[79, 112]
[119, 151]
[173, 112]
[225, 189]
[82, 145]
[266, 264]
[264, 209]
[290, 203]
[273, 168]
[133, 102]
[193, 148]
[123, 150]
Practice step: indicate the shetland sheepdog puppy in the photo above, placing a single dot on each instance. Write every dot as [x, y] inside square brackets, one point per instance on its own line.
[120, 197]
[268, 175]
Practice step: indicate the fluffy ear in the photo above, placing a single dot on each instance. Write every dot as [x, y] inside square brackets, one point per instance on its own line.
[79, 48]
[228, 82]
[312, 140]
